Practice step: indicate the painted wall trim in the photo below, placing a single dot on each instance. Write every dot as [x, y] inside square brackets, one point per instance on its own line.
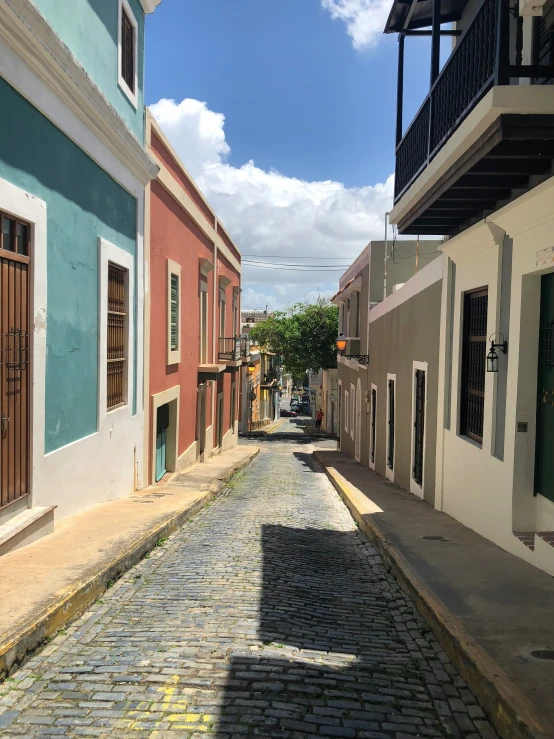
[421, 281]
[51, 75]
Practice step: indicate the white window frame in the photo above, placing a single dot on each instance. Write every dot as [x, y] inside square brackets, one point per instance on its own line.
[373, 433]
[132, 96]
[415, 488]
[204, 343]
[173, 355]
[222, 312]
[346, 411]
[389, 472]
[110, 253]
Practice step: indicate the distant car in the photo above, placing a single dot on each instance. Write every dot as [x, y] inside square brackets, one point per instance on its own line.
[288, 414]
[295, 406]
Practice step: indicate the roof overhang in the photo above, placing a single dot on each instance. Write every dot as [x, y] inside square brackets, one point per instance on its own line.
[149, 6]
[422, 14]
[355, 285]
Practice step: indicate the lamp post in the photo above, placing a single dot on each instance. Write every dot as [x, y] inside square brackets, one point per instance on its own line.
[251, 369]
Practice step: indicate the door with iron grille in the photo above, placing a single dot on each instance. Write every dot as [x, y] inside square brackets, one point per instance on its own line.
[14, 359]
[419, 425]
[544, 463]
[390, 451]
[373, 424]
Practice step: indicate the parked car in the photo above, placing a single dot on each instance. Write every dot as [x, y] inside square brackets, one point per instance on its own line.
[288, 414]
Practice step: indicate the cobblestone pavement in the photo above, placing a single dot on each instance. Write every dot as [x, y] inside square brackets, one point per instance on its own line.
[267, 615]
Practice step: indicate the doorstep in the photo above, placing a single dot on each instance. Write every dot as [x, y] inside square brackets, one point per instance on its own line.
[50, 582]
[489, 609]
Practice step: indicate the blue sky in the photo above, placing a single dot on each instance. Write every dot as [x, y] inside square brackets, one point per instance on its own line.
[308, 98]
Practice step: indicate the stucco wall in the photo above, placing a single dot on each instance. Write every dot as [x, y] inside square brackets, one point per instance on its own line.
[175, 236]
[89, 28]
[410, 332]
[83, 203]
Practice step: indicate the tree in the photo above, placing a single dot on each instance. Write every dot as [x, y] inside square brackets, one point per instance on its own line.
[304, 336]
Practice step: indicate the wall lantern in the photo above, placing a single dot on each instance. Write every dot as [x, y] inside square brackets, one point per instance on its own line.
[251, 369]
[341, 348]
[492, 356]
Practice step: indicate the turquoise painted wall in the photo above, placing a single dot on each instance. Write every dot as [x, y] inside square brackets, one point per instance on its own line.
[90, 31]
[83, 203]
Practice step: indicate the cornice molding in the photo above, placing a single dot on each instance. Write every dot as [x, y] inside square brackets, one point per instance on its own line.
[24, 28]
[237, 291]
[206, 266]
[224, 281]
[149, 6]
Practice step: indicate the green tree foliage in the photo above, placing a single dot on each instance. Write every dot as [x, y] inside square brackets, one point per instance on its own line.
[304, 336]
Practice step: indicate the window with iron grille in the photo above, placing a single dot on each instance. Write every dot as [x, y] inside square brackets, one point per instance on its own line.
[128, 50]
[174, 313]
[373, 430]
[390, 452]
[117, 317]
[233, 406]
[474, 353]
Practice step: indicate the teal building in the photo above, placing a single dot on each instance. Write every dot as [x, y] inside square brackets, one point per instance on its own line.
[73, 173]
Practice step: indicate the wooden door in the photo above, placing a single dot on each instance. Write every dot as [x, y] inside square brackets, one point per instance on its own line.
[14, 360]
[201, 420]
[544, 464]
[162, 424]
[419, 425]
[373, 424]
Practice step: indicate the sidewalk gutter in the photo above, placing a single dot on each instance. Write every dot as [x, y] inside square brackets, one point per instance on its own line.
[510, 710]
[46, 584]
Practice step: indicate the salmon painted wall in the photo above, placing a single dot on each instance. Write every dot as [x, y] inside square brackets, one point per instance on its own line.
[175, 236]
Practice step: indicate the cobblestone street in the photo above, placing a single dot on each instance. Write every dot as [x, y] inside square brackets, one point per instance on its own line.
[268, 614]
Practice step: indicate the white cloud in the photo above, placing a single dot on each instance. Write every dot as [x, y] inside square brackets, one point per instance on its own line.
[365, 19]
[268, 213]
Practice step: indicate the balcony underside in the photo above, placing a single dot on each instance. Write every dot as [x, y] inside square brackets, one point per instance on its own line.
[505, 160]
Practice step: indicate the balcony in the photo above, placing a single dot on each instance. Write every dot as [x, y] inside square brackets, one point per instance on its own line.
[245, 348]
[485, 129]
[230, 349]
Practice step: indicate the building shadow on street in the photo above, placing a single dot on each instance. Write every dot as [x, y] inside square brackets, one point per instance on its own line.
[333, 662]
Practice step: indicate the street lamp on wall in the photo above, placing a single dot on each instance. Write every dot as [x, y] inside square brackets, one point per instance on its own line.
[492, 356]
[251, 369]
[341, 348]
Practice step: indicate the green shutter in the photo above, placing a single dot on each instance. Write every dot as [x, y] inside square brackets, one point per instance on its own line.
[174, 312]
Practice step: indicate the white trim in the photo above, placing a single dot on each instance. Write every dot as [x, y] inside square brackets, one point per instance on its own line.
[373, 431]
[358, 431]
[108, 252]
[124, 5]
[389, 473]
[414, 487]
[21, 204]
[40, 67]
[173, 355]
[149, 6]
[420, 281]
[172, 395]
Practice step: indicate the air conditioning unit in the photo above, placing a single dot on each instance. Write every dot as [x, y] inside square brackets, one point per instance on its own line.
[397, 287]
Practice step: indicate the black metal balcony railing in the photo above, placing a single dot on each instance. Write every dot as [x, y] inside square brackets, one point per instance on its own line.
[245, 347]
[230, 349]
[479, 61]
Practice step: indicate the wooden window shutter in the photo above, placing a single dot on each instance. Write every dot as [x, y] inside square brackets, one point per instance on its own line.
[127, 50]
[116, 336]
[174, 315]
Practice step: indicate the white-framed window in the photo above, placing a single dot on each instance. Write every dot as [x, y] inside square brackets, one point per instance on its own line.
[127, 55]
[419, 422]
[233, 406]
[116, 307]
[173, 312]
[346, 411]
[391, 427]
[222, 310]
[236, 330]
[203, 322]
[372, 426]
[352, 411]
[358, 440]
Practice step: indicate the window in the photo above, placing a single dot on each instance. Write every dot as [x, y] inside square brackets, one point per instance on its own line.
[222, 309]
[474, 352]
[233, 406]
[373, 427]
[116, 336]
[174, 313]
[128, 51]
[419, 413]
[346, 411]
[203, 322]
[14, 236]
[391, 417]
[352, 411]
[236, 330]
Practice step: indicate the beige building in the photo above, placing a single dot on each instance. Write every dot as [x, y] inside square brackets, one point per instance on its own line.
[479, 170]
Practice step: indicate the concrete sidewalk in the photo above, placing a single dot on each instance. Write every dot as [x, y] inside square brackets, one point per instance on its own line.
[48, 583]
[489, 609]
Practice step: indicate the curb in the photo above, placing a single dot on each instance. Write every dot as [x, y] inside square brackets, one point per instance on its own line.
[18, 646]
[513, 715]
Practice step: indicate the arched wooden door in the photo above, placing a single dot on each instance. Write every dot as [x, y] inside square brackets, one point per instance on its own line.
[15, 261]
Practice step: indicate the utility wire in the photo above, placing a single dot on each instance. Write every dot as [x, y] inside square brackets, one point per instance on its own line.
[295, 269]
[293, 264]
[285, 256]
